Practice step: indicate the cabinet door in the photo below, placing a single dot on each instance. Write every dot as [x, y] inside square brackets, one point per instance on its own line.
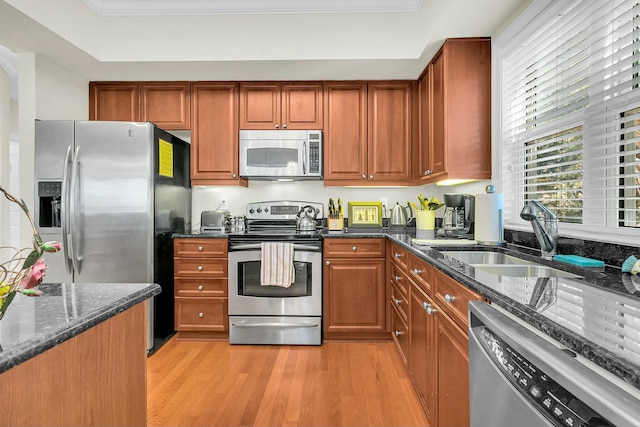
[214, 134]
[453, 373]
[302, 105]
[260, 105]
[354, 297]
[438, 131]
[117, 101]
[345, 133]
[389, 112]
[167, 104]
[423, 154]
[422, 365]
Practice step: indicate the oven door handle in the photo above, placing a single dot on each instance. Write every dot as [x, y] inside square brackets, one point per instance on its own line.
[275, 325]
[259, 246]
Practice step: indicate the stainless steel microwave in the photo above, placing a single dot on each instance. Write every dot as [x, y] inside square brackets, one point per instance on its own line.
[281, 154]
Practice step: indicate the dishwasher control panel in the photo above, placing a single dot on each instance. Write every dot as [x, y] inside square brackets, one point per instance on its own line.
[558, 405]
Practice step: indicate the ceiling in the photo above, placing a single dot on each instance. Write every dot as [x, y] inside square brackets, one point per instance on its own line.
[246, 39]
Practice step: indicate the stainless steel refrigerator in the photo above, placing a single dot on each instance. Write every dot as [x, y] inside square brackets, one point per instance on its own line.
[113, 193]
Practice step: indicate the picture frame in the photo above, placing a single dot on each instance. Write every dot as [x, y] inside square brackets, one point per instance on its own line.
[365, 214]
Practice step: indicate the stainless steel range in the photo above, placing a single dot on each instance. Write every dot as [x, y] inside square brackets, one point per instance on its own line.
[287, 311]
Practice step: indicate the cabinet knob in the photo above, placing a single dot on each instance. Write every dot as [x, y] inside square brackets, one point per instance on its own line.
[427, 172]
[201, 314]
[397, 278]
[397, 255]
[355, 248]
[417, 272]
[431, 310]
[327, 262]
[200, 248]
[200, 287]
[449, 298]
[277, 126]
[370, 176]
[284, 126]
[364, 176]
[398, 333]
[425, 305]
[200, 268]
[398, 301]
[234, 176]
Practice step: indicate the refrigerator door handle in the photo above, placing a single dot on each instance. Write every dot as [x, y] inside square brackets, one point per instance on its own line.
[64, 213]
[75, 165]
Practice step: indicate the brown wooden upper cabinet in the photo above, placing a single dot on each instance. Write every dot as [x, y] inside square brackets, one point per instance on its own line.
[454, 113]
[368, 132]
[278, 105]
[167, 104]
[214, 134]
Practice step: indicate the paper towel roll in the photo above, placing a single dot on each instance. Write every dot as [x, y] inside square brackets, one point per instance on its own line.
[489, 221]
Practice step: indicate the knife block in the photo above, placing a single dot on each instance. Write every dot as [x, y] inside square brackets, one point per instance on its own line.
[335, 222]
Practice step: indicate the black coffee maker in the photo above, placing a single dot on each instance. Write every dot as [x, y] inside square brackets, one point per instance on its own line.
[459, 215]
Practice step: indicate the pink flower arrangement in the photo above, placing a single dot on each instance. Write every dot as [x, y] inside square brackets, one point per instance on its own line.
[33, 268]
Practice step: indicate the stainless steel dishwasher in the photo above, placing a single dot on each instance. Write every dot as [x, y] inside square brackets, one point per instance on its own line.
[518, 377]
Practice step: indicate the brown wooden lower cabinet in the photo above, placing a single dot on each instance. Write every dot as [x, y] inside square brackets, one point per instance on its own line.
[354, 289]
[437, 352]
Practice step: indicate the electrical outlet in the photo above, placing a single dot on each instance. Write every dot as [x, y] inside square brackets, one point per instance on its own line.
[223, 203]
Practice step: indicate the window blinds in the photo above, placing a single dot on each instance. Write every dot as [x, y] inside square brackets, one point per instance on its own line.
[570, 114]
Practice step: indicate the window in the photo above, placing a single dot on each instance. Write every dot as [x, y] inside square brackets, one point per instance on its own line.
[569, 121]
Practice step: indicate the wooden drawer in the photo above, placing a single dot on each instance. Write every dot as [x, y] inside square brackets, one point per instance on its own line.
[201, 267]
[399, 278]
[200, 247]
[399, 255]
[354, 248]
[202, 314]
[400, 301]
[400, 333]
[421, 272]
[454, 298]
[200, 287]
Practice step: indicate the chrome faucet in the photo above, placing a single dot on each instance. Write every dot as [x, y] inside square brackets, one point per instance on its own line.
[548, 234]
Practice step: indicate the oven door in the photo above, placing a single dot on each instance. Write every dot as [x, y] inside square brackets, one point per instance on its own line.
[248, 298]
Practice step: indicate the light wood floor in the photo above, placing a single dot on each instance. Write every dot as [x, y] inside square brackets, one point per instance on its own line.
[337, 384]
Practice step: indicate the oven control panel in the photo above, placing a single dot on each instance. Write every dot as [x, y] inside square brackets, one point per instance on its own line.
[281, 210]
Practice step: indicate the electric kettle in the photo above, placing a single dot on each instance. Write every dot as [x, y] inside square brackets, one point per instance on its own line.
[305, 221]
[399, 216]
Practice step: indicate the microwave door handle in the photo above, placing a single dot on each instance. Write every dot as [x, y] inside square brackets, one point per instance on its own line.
[304, 157]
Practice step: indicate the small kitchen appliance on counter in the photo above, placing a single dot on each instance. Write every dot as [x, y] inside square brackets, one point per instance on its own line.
[399, 216]
[217, 221]
[458, 220]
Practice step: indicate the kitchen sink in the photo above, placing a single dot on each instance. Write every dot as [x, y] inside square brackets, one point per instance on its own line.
[506, 265]
[485, 257]
[531, 270]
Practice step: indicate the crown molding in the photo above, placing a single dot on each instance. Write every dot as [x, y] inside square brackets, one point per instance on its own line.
[208, 7]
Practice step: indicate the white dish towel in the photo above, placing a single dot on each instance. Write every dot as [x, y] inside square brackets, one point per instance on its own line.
[276, 264]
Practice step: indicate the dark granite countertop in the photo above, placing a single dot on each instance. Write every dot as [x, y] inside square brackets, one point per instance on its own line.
[597, 315]
[33, 325]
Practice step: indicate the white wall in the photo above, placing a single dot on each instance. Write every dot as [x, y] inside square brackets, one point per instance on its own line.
[209, 198]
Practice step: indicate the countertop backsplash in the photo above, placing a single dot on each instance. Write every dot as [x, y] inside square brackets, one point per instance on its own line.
[612, 254]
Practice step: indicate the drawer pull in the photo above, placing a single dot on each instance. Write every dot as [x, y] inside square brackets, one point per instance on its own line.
[200, 287]
[449, 298]
[201, 315]
[397, 255]
[398, 333]
[200, 268]
[398, 301]
[355, 248]
[200, 248]
[425, 305]
[431, 310]
[417, 272]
